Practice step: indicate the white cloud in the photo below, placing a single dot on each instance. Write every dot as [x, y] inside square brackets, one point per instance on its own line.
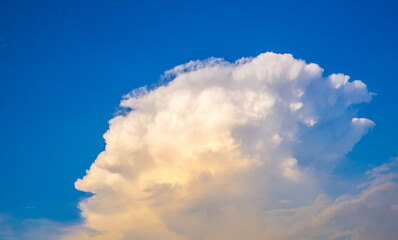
[368, 215]
[228, 151]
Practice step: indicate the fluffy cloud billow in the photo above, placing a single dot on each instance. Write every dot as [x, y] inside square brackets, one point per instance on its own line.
[233, 151]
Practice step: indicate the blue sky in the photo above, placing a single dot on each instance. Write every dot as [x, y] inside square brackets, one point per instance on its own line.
[64, 66]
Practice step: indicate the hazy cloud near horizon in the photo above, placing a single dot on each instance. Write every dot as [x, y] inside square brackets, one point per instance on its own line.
[233, 151]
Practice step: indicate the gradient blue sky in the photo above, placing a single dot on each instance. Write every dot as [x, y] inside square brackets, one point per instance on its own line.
[64, 66]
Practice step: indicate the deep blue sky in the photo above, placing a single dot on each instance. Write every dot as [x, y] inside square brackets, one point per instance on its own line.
[64, 66]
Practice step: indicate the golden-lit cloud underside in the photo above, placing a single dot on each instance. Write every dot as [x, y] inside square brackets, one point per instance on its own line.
[231, 151]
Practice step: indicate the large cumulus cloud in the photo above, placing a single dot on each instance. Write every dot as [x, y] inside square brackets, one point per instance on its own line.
[232, 151]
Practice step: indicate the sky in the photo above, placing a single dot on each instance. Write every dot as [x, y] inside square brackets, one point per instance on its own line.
[65, 67]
